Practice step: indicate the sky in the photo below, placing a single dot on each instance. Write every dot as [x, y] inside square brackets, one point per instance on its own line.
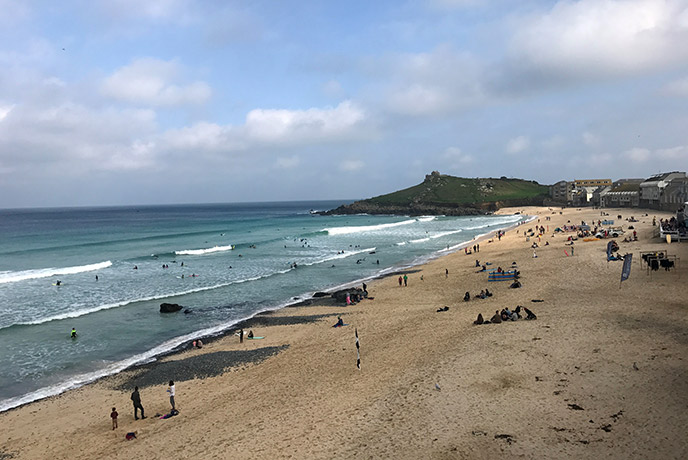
[121, 102]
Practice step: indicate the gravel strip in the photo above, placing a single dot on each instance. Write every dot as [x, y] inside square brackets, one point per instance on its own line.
[197, 366]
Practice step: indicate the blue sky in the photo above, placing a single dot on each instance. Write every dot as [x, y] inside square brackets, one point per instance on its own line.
[179, 101]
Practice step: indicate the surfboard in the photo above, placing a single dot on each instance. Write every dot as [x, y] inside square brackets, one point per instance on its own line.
[254, 338]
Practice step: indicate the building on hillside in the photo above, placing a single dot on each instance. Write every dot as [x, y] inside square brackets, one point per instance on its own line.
[577, 183]
[666, 191]
[560, 192]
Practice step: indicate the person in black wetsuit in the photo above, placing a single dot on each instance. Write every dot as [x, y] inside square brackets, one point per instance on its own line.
[136, 399]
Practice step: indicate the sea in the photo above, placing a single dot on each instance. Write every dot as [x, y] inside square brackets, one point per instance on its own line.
[223, 263]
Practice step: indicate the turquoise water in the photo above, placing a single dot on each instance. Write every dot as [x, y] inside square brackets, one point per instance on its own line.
[242, 256]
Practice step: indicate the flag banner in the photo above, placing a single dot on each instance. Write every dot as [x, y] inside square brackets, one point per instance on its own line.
[358, 351]
[626, 270]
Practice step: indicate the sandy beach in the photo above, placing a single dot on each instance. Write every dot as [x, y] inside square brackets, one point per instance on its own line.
[600, 374]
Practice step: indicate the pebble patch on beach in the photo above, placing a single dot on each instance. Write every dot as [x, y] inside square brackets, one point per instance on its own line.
[198, 366]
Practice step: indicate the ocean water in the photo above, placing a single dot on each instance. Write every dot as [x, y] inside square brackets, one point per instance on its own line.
[226, 263]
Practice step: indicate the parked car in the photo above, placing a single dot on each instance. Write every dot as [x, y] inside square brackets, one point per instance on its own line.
[613, 232]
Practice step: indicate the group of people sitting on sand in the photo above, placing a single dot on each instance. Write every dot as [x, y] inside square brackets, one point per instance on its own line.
[484, 294]
[507, 315]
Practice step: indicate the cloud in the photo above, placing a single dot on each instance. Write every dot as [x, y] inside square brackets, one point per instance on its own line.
[677, 88]
[590, 139]
[148, 82]
[71, 138]
[5, 110]
[155, 10]
[601, 38]
[517, 144]
[287, 162]
[674, 153]
[269, 131]
[638, 154]
[438, 82]
[455, 156]
[351, 165]
[333, 88]
[296, 126]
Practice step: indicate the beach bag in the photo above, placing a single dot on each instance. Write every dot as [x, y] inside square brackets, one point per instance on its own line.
[130, 436]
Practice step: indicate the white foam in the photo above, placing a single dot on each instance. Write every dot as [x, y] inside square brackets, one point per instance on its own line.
[366, 228]
[11, 277]
[200, 252]
[339, 256]
[420, 240]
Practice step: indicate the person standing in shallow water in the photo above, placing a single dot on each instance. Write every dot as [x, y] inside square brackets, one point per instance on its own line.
[171, 392]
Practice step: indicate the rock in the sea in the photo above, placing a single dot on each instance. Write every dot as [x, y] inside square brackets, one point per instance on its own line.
[169, 307]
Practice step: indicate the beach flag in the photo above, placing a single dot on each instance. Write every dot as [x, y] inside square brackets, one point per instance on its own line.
[626, 270]
[358, 351]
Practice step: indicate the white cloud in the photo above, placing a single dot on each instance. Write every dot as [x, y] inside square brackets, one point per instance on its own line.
[351, 165]
[158, 10]
[590, 139]
[295, 126]
[333, 88]
[638, 154]
[593, 38]
[456, 156]
[275, 129]
[287, 162]
[674, 153]
[517, 144]
[434, 83]
[71, 138]
[677, 88]
[149, 82]
[5, 110]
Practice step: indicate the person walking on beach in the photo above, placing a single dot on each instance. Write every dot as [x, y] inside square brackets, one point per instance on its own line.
[136, 399]
[405, 280]
[401, 280]
[241, 336]
[113, 416]
[170, 390]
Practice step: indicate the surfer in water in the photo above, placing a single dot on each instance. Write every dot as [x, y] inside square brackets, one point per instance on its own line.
[73, 334]
[58, 282]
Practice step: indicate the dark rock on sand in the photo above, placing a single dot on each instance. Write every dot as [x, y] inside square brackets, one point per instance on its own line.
[169, 307]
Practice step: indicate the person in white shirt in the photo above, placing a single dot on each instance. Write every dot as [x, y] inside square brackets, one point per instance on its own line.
[170, 390]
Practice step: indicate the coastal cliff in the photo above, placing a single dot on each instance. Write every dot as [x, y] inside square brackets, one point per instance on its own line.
[440, 194]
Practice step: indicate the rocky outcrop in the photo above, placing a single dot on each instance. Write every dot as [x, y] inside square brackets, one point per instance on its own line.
[169, 307]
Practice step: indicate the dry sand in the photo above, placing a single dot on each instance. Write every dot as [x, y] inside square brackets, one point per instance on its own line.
[600, 374]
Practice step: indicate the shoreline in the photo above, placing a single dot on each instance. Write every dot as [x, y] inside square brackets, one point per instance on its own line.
[596, 373]
[229, 330]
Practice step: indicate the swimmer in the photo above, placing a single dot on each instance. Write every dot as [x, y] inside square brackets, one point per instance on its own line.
[73, 334]
[58, 282]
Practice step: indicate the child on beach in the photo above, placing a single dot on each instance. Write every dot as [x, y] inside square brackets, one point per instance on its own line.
[113, 416]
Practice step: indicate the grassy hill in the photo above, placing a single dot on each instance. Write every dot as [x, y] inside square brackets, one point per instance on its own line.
[442, 194]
